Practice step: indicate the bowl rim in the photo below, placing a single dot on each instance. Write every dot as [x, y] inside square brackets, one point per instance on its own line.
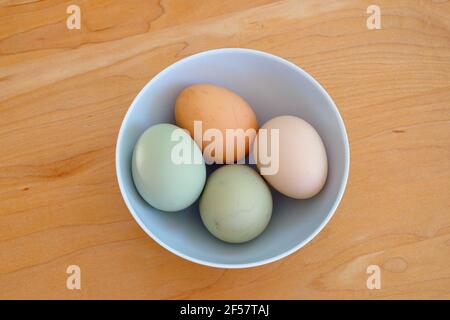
[263, 261]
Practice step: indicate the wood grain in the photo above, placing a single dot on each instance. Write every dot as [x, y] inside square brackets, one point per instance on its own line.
[63, 94]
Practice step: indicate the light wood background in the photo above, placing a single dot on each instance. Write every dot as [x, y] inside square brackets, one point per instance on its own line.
[63, 94]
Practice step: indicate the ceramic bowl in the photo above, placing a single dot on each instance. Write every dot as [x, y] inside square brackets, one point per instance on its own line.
[273, 87]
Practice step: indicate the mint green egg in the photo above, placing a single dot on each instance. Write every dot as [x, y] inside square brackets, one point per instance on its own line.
[236, 204]
[168, 168]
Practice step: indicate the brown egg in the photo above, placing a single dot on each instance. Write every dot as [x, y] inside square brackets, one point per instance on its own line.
[221, 122]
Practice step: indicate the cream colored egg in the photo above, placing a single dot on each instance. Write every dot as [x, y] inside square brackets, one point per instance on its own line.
[298, 163]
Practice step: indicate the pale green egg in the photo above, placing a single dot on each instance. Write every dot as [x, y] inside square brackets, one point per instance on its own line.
[236, 204]
[168, 168]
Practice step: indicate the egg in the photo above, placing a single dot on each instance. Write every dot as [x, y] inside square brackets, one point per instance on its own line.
[217, 109]
[236, 204]
[298, 164]
[162, 176]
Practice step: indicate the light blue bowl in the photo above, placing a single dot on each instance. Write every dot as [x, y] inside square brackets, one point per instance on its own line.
[273, 87]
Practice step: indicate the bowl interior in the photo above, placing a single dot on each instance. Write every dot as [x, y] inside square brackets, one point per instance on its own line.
[272, 87]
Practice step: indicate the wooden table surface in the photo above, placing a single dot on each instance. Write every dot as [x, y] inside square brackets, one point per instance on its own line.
[64, 93]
